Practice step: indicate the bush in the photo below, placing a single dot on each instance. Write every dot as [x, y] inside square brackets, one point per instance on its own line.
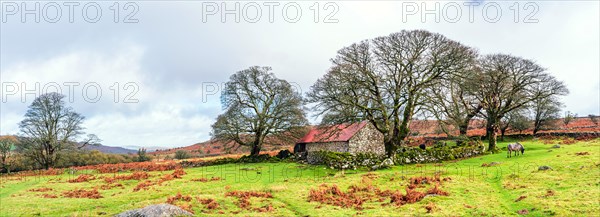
[257, 159]
[181, 154]
[410, 155]
[141, 155]
[284, 154]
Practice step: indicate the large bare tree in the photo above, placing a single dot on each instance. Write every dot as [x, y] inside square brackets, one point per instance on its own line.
[49, 128]
[508, 83]
[257, 105]
[385, 80]
[453, 101]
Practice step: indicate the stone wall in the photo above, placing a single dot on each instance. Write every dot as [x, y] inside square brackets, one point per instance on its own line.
[311, 148]
[367, 140]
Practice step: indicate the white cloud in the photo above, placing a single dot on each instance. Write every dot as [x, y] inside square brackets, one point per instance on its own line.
[172, 55]
[162, 117]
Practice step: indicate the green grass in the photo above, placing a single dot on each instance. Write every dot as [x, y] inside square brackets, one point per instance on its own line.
[489, 191]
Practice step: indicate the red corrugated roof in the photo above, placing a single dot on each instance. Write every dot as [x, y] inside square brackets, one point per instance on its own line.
[335, 133]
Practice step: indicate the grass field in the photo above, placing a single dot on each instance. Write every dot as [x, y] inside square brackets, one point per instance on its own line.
[571, 188]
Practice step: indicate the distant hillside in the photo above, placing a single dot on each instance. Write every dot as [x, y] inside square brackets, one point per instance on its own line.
[419, 129]
[111, 149]
[215, 147]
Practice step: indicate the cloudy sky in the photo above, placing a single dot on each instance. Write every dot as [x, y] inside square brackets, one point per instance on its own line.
[147, 73]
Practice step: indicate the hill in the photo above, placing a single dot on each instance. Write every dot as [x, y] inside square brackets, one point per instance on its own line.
[419, 129]
[111, 149]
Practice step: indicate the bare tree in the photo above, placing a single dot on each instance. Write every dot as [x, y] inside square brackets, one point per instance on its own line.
[385, 80]
[593, 118]
[545, 111]
[568, 118]
[508, 83]
[515, 120]
[257, 105]
[453, 102]
[49, 127]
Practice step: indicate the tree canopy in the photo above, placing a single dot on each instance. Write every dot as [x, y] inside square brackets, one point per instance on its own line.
[386, 80]
[257, 104]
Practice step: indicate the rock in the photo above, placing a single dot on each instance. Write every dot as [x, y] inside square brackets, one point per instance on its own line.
[388, 162]
[157, 210]
[545, 168]
[556, 146]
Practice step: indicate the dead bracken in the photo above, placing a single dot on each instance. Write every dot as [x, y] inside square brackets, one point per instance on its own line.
[520, 198]
[82, 178]
[81, 193]
[212, 179]
[143, 185]
[356, 196]
[244, 199]
[135, 176]
[40, 189]
[209, 203]
[183, 198]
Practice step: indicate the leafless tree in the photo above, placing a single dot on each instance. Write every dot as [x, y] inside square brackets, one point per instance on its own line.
[49, 128]
[593, 118]
[453, 102]
[386, 80]
[545, 111]
[515, 120]
[568, 118]
[508, 83]
[258, 104]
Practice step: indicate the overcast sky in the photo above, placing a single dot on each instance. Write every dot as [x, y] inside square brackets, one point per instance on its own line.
[159, 74]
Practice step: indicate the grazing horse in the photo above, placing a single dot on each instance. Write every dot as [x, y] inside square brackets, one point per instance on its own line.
[515, 147]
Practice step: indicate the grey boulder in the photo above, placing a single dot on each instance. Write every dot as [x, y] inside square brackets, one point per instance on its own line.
[157, 210]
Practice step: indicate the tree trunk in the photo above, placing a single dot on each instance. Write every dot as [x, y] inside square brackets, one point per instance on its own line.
[390, 148]
[462, 130]
[502, 132]
[255, 150]
[462, 133]
[491, 133]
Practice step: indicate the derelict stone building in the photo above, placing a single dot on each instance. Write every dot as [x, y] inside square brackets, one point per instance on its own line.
[351, 138]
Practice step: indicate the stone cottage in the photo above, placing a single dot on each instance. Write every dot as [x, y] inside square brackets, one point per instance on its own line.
[359, 137]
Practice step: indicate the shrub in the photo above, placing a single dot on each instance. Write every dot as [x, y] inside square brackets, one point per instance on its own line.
[142, 156]
[284, 154]
[257, 159]
[182, 154]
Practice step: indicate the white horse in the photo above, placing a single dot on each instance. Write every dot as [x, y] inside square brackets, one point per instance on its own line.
[515, 147]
